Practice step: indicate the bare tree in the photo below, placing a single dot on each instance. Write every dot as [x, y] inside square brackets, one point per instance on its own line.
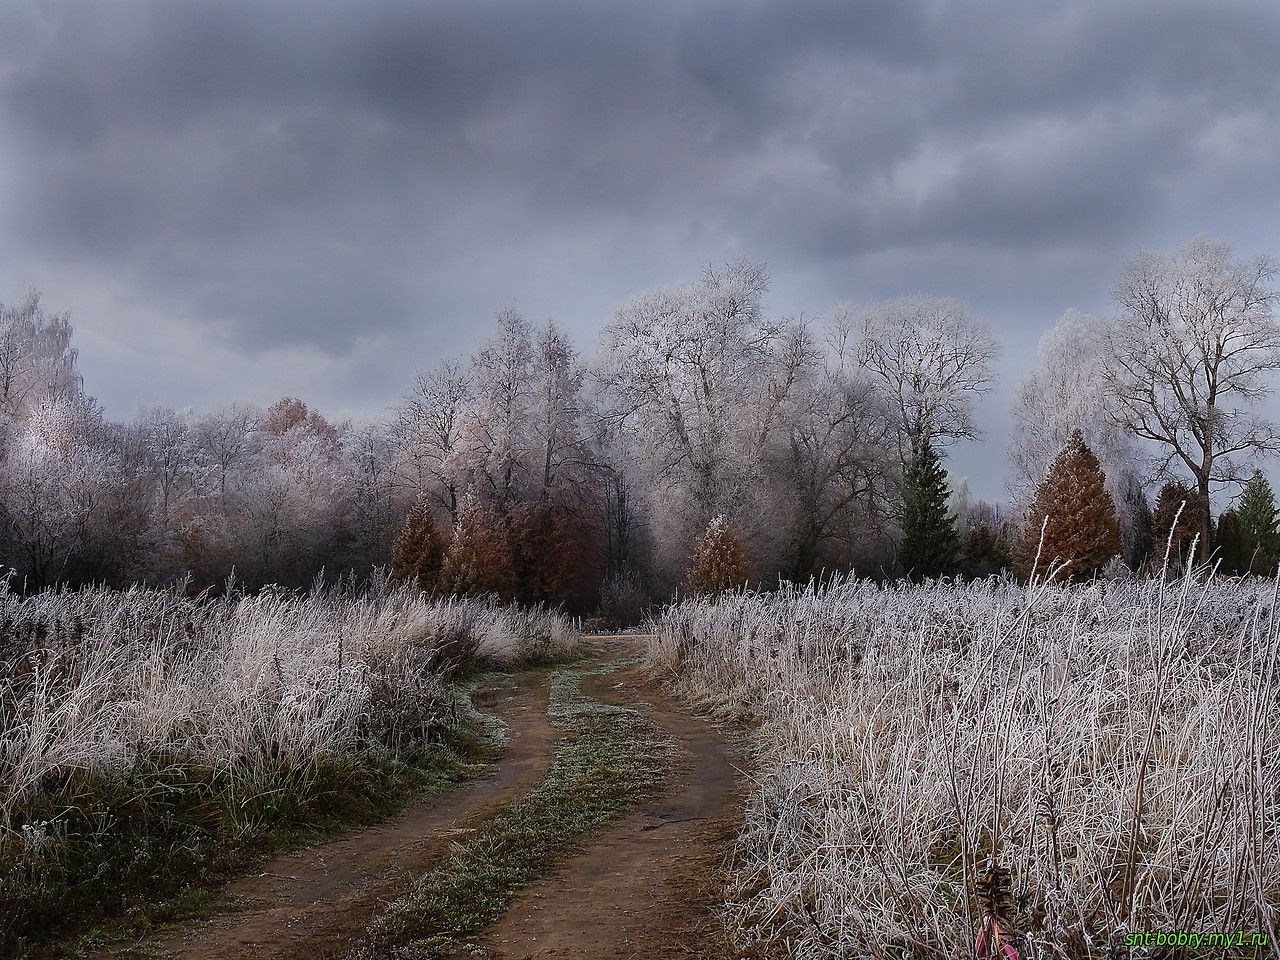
[932, 361]
[227, 439]
[37, 361]
[689, 370]
[498, 428]
[429, 422]
[831, 468]
[1187, 357]
[174, 457]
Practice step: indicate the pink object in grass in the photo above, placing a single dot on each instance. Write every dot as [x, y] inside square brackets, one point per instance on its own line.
[990, 943]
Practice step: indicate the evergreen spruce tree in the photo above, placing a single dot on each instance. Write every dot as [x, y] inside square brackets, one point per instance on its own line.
[1072, 518]
[1138, 539]
[719, 560]
[1259, 541]
[929, 542]
[1230, 544]
[418, 552]
[984, 552]
[1175, 524]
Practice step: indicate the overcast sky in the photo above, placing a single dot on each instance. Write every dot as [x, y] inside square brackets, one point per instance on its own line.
[241, 200]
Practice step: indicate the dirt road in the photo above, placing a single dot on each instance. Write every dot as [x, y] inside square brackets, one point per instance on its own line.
[648, 887]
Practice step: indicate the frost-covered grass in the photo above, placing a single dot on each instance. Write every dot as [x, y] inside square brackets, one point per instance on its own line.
[1111, 750]
[149, 737]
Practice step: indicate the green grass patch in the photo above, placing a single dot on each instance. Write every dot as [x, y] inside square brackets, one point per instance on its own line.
[121, 857]
[611, 757]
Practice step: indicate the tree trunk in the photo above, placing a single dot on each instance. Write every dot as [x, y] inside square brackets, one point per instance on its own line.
[1205, 520]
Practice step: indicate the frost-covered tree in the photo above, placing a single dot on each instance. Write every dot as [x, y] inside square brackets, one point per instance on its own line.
[175, 456]
[58, 472]
[291, 513]
[498, 429]
[829, 475]
[698, 379]
[932, 360]
[1188, 358]
[1066, 391]
[372, 507]
[227, 438]
[430, 422]
[1071, 524]
[557, 410]
[37, 361]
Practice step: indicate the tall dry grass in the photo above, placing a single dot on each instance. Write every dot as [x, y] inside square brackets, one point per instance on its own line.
[143, 729]
[1077, 762]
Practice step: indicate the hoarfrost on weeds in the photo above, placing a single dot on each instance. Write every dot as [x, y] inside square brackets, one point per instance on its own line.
[1116, 747]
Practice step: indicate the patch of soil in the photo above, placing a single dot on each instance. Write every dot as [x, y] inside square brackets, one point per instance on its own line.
[314, 902]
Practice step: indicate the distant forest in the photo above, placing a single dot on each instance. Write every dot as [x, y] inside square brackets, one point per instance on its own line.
[589, 480]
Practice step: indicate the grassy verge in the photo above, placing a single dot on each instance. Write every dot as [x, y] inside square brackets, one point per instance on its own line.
[151, 849]
[610, 758]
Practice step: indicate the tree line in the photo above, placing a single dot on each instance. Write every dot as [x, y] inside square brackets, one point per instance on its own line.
[700, 426]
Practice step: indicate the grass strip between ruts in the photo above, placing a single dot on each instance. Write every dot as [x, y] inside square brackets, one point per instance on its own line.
[610, 758]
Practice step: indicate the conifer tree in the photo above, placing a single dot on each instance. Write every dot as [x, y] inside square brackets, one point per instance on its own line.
[418, 553]
[1175, 524]
[478, 562]
[929, 542]
[1138, 539]
[984, 552]
[719, 560]
[1259, 541]
[552, 554]
[1230, 544]
[1072, 518]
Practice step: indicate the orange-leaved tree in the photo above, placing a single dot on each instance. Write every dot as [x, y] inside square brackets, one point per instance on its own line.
[1075, 513]
[478, 561]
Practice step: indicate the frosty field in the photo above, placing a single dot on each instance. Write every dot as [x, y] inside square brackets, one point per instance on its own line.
[1080, 762]
[146, 738]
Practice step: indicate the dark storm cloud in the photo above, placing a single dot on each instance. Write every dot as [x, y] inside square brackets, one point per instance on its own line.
[324, 195]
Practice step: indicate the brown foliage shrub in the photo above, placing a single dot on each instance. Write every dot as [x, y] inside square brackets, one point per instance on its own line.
[719, 560]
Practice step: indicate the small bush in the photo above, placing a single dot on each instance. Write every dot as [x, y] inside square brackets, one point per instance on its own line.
[719, 560]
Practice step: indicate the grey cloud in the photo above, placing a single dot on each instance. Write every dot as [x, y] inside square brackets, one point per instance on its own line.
[365, 182]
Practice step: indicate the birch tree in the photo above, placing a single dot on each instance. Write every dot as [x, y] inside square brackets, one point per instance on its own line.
[557, 407]
[498, 426]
